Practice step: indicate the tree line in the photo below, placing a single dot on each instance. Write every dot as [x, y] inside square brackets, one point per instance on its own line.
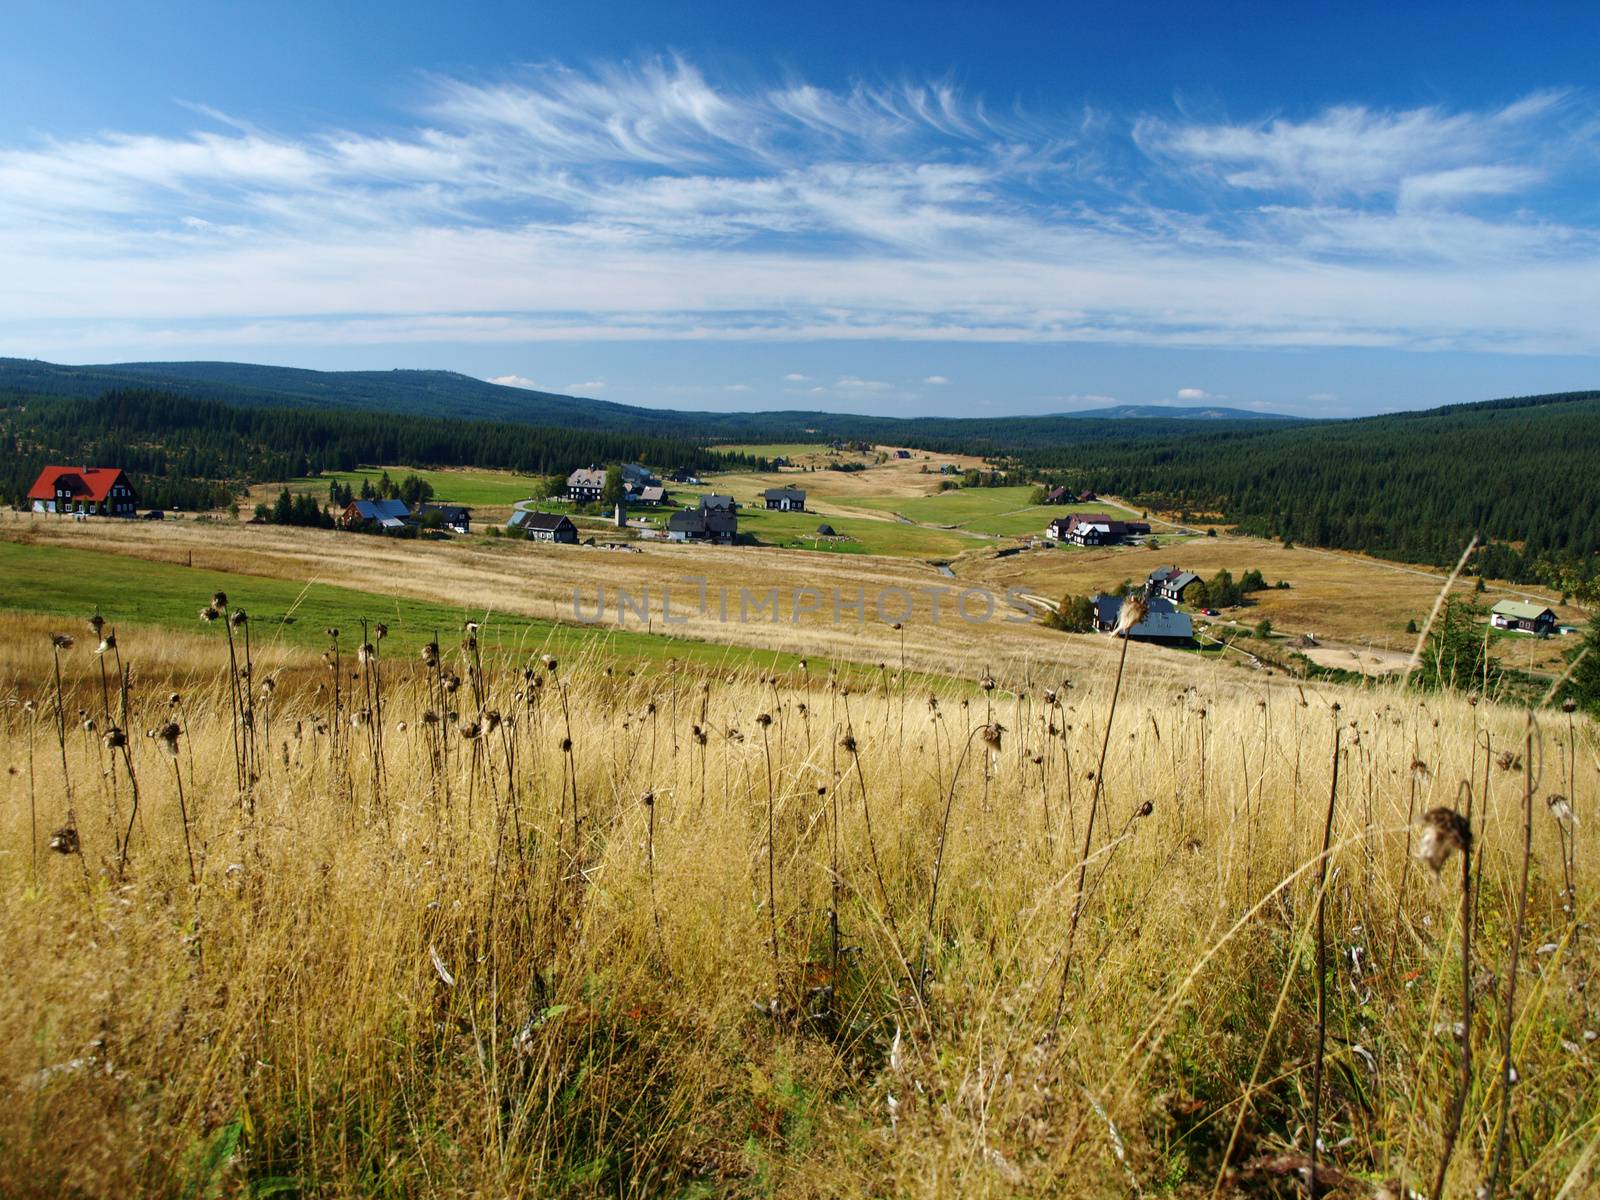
[187, 453]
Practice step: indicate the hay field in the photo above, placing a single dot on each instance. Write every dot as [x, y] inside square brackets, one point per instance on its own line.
[542, 582]
[463, 925]
[1343, 597]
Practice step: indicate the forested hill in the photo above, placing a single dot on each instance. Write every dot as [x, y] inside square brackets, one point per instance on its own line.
[1523, 473]
[448, 394]
[189, 453]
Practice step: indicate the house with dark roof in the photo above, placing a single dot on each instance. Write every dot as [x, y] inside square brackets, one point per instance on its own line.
[585, 485]
[1170, 583]
[1519, 616]
[389, 515]
[1057, 495]
[101, 491]
[544, 527]
[720, 525]
[1163, 623]
[715, 503]
[1095, 529]
[454, 517]
[785, 499]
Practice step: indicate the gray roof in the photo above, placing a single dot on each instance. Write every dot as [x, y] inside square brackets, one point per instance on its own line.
[523, 519]
[779, 493]
[1164, 621]
[587, 477]
[714, 501]
[382, 510]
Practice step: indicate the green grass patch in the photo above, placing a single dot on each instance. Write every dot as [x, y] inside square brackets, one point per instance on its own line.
[469, 487]
[72, 583]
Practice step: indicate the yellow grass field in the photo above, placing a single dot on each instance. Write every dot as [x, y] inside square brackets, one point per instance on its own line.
[481, 926]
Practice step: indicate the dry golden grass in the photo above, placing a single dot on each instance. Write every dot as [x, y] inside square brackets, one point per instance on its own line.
[542, 961]
[1346, 598]
[537, 580]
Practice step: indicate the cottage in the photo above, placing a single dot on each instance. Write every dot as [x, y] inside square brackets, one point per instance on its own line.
[101, 491]
[716, 503]
[703, 525]
[653, 496]
[544, 527]
[388, 515]
[1163, 623]
[1519, 616]
[454, 517]
[785, 499]
[1170, 583]
[1058, 495]
[1095, 529]
[636, 477]
[585, 485]
[902, 454]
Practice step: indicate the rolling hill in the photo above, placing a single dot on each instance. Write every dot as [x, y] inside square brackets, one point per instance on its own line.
[449, 394]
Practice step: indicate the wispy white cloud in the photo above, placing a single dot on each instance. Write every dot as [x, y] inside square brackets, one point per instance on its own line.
[520, 381]
[628, 203]
[936, 380]
[1194, 395]
[796, 377]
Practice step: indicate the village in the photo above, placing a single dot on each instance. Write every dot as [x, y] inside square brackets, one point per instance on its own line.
[888, 504]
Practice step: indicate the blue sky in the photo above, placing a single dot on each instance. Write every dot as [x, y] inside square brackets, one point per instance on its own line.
[896, 208]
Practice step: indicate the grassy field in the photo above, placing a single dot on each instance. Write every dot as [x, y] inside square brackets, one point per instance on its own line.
[1342, 597]
[74, 583]
[597, 934]
[1002, 511]
[475, 488]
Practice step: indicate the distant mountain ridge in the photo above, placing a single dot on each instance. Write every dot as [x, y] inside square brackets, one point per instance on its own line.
[447, 393]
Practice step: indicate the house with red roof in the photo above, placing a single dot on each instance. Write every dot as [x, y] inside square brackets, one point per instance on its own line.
[102, 491]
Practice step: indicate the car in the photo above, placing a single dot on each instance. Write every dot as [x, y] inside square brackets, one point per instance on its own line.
[1210, 612]
[155, 514]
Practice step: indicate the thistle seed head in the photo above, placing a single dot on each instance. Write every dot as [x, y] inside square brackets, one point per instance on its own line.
[992, 734]
[1444, 831]
[62, 641]
[64, 840]
[1561, 810]
[238, 619]
[1134, 610]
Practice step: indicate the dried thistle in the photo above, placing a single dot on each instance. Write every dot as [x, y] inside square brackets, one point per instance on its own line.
[380, 631]
[472, 628]
[991, 734]
[763, 719]
[1444, 831]
[1420, 771]
[95, 622]
[1508, 761]
[238, 619]
[208, 614]
[848, 743]
[64, 840]
[1133, 612]
[1561, 810]
[219, 600]
[114, 738]
[107, 644]
[62, 641]
[549, 660]
[987, 682]
[168, 734]
[333, 634]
